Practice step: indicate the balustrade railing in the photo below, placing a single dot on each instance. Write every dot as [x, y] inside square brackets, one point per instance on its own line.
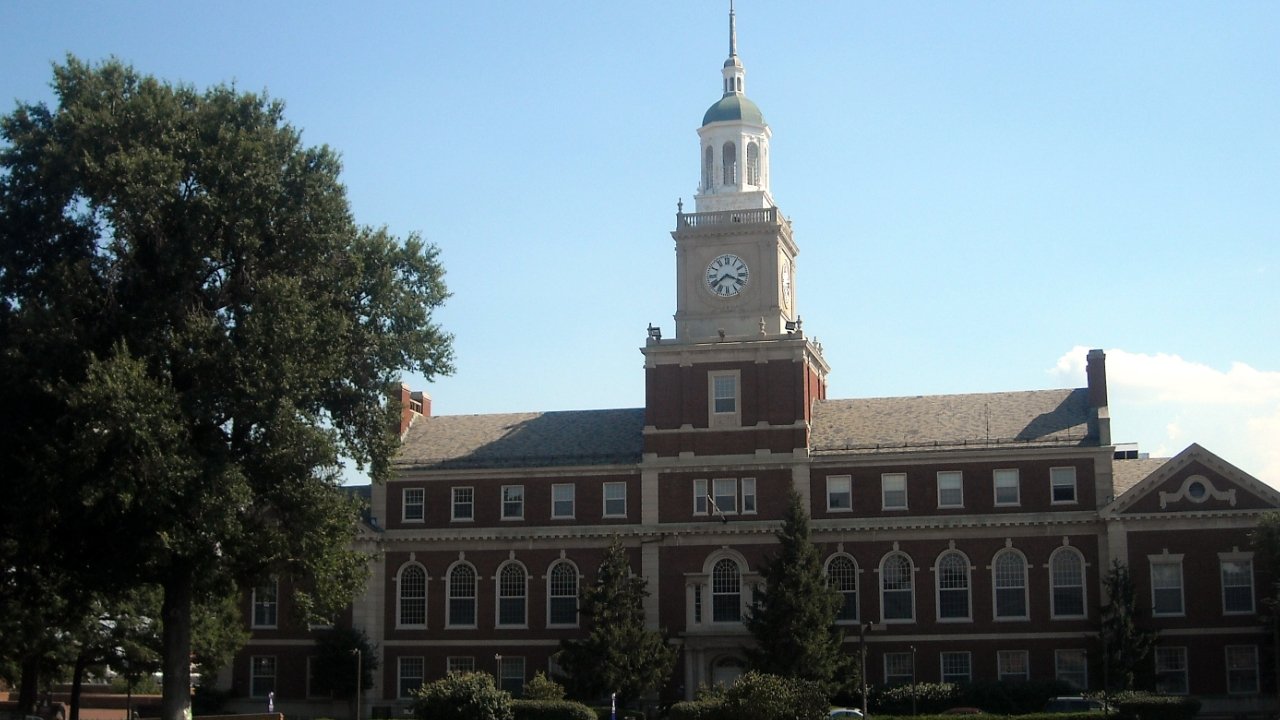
[725, 217]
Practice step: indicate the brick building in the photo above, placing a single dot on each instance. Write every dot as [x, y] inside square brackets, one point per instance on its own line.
[969, 534]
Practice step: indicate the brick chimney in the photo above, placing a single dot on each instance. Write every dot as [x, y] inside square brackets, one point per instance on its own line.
[413, 404]
[1095, 371]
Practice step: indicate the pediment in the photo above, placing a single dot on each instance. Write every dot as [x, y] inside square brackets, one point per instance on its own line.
[1193, 481]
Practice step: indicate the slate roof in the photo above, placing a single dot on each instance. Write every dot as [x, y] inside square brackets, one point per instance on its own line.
[537, 439]
[1127, 473]
[948, 422]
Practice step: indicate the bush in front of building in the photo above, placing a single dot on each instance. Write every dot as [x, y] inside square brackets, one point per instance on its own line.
[702, 709]
[542, 687]
[924, 698]
[462, 696]
[551, 710]
[1138, 706]
[1003, 697]
[757, 696]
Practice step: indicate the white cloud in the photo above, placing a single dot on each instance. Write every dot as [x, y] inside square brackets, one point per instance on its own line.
[1164, 403]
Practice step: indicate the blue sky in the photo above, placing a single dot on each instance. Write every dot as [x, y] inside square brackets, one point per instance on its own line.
[980, 190]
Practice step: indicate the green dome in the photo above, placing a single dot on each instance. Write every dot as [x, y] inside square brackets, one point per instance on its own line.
[733, 107]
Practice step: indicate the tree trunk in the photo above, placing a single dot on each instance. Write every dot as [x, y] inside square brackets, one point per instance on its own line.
[176, 665]
[30, 685]
[77, 684]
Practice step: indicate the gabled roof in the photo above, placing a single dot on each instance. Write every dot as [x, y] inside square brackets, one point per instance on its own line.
[1169, 485]
[1128, 473]
[573, 437]
[947, 422]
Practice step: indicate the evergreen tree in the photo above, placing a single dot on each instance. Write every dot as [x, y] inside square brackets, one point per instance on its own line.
[1128, 646]
[794, 618]
[1265, 539]
[619, 654]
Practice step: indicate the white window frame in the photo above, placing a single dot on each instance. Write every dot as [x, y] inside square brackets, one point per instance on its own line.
[420, 503]
[460, 664]
[255, 678]
[1161, 589]
[1236, 558]
[996, 588]
[266, 609]
[501, 588]
[555, 593]
[1171, 667]
[955, 677]
[718, 492]
[724, 418]
[910, 589]
[748, 496]
[1249, 654]
[951, 480]
[846, 585]
[1005, 478]
[716, 607]
[511, 669]
[1061, 657]
[903, 663]
[834, 483]
[401, 598]
[456, 503]
[1063, 477]
[1054, 613]
[557, 489]
[512, 496]
[614, 487]
[402, 674]
[967, 589]
[1004, 671]
[885, 480]
[450, 622]
[700, 492]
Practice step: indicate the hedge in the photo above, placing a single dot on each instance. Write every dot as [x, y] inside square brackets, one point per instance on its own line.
[551, 710]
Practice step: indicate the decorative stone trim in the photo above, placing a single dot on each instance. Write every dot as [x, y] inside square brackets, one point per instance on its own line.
[1197, 489]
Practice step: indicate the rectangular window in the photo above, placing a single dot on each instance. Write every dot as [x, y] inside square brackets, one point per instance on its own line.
[725, 388]
[956, 668]
[562, 501]
[697, 603]
[464, 503]
[1237, 583]
[748, 496]
[511, 675]
[414, 505]
[1013, 665]
[412, 672]
[262, 675]
[893, 488]
[950, 489]
[1242, 669]
[1171, 671]
[726, 495]
[699, 497]
[265, 605]
[512, 502]
[1072, 668]
[1062, 481]
[839, 493]
[898, 669]
[1007, 487]
[615, 499]
[1166, 585]
[460, 664]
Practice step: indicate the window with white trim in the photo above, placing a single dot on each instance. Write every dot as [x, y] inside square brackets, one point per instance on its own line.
[726, 591]
[411, 672]
[725, 495]
[748, 496]
[1072, 668]
[893, 491]
[511, 675]
[266, 606]
[1166, 585]
[411, 588]
[839, 493]
[897, 589]
[1062, 483]
[1242, 669]
[513, 591]
[562, 595]
[842, 576]
[615, 499]
[700, 496]
[262, 675]
[952, 576]
[1171, 671]
[512, 502]
[950, 489]
[462, 597]
[1236, 570]
[460, 664]
[413, 507]
[1013, 665]
[957, 667]
[1007, 487]
[1066, 583]
[464, 504]
[724, 408]
[562, 500]
[1009, 578]
[898, 669]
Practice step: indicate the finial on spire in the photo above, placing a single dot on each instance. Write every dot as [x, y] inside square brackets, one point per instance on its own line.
[733, 32]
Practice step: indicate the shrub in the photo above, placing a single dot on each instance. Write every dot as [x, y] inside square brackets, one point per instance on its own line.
[1133, 705]
[760, 696]
[467, 696]
[550, 710]
[1004, 697]
[928, 698]
[543, 688]
[695, 709]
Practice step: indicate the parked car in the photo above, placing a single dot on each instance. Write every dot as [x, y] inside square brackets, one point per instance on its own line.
[1073, 704]
[844, 714]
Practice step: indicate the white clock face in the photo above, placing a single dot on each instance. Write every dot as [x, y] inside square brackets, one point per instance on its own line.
[786, 284]
[727, 275]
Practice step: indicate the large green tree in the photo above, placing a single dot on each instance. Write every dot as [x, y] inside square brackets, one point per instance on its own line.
[1265, 540]
[619, 653]
[193, 333]
[1127, 643]
[794, 618]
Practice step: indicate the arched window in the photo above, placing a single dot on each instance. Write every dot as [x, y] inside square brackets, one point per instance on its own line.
[726, 592]
[952, 574]
[708, 167]
[562, 594]
[753, 164]
[1066, 583]
[842, 576]
[897, 590]
[729, 159]
[412, 591]
[1009, 576]
[512, 594]
[462, 596]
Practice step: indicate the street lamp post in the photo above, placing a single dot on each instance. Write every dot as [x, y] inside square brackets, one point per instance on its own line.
[862, 668]
[913, 681]
[359, 678]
